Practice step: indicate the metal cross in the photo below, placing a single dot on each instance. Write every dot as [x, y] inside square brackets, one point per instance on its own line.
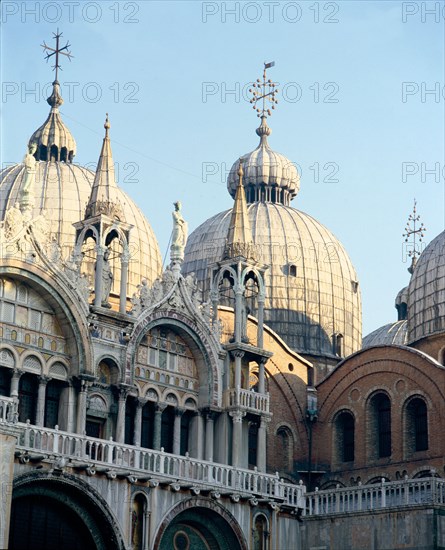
[412, 229]
[56, 51]
[266, 91]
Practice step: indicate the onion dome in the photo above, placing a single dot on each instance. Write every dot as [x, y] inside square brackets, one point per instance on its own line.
[268, 175]
[312, 291]
[390, 334]
[426, 292]
[53, 140]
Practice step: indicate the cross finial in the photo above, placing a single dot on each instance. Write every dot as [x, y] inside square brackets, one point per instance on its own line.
[266, 91]
[416, 231]
[56, 51]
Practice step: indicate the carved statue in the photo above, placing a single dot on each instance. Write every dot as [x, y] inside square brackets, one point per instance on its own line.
[179, 235]
[30, 175]
[13, 223]
[107, 279]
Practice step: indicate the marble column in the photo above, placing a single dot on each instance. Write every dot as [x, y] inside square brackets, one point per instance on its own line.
[100, 250]
[125, 258]
[138, 421]
[260, 329]
[159, 409]
[82, 408]
[15, 383]
[261, 377]
[237, 433]
[238, 354]
[177, 431]
[210, 416]
[238, 313]
[261, 446]
[120, 422]
[40, 412]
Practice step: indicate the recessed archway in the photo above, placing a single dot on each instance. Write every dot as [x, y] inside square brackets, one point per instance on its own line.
[200, 524]
[60, 511]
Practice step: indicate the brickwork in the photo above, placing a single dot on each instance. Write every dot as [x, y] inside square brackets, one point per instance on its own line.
[401, 374]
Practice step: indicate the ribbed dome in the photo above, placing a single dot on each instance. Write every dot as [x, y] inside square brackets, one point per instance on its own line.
[426, 292]
[62, 190]
[390, 334]
[268, 175]
[53, 139]
[311, 286]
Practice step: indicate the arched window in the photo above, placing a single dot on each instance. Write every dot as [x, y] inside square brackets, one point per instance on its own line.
[345, 436]
[285, 448]
[260, 533]
[138, 522]
[380, 426]
[416, 425]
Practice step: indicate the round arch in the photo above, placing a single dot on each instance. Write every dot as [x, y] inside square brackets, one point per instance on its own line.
[66, 501]
[65, 303]
[206, 357]
[201, 523]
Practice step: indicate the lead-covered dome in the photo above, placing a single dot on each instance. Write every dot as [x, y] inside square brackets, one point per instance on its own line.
[312, 293]
[62, 191]
[390, 334]
[268, 175]
[426, 292]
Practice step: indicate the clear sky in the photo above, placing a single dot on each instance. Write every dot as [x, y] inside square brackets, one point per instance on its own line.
[361, 110]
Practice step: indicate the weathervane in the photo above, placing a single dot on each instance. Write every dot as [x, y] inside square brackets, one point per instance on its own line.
[265, 91]
[413, 229]
[56, 52]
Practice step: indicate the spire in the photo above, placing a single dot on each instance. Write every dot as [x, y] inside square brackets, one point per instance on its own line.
[239, 237]
[53, 141]
[416, 231]
[104, 194]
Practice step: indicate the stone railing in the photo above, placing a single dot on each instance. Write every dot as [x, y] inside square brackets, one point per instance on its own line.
[8, 409]
[160, 467]
[408, 492]
[248, 399]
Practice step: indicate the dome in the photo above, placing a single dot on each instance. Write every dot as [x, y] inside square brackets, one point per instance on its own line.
[312, 291]
[268, 175]
[53, 140]
[426, 292]
[390, 334]
[62, 190]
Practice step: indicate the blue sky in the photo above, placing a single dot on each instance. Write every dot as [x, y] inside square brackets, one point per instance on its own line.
[355, 77]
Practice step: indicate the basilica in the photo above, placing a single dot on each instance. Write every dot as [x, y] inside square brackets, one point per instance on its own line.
[227, 401]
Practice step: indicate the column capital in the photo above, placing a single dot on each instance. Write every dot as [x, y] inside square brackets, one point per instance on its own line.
[141, 402]
[160, 407]
[44, 379]
[179, 411]
[238, 353]
[237, 416]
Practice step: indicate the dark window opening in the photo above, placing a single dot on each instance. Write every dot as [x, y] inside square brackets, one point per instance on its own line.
[384, 425]
[148, 413]
[53, 391]
[167, 424]
[28, 388]
[253, 444]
